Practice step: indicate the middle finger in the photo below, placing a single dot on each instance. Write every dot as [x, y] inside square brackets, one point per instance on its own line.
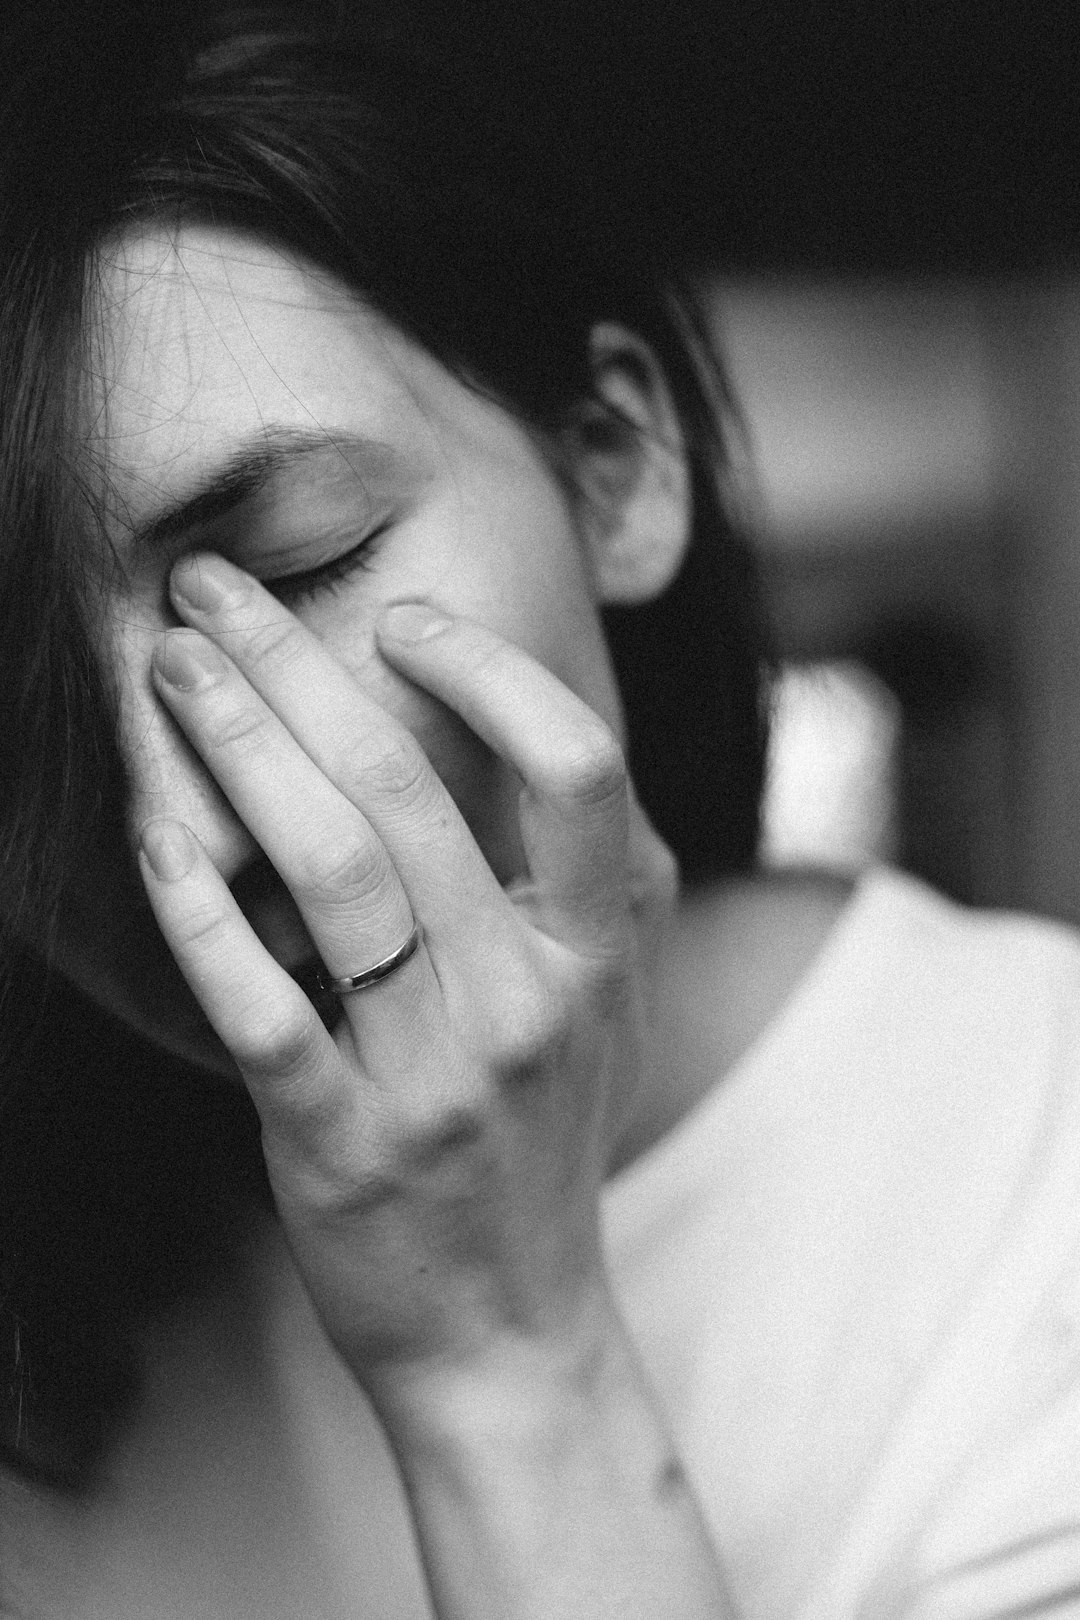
[357, 745]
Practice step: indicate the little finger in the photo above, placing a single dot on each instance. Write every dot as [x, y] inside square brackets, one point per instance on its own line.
[575, 798]
[262, 1017]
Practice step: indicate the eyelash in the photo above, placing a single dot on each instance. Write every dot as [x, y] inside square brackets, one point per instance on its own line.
[292, 590]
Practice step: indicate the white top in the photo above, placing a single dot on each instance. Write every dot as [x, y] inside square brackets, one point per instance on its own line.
[854, 1272]
[853, 1269]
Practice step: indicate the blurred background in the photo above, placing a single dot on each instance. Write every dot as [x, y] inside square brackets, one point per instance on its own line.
[915, 448]
[883, 201]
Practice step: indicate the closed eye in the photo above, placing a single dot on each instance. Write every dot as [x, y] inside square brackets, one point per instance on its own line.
[294, 589]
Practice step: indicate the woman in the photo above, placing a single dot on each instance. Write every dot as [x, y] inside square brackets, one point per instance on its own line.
[332, 424]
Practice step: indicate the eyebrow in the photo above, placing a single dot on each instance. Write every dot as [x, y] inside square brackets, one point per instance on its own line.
[246, 473]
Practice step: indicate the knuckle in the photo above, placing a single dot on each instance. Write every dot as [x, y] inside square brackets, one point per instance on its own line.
[273, 645]
[533, 1041]
[444, 1138]
[445, 1152]
[547, 1021]
[203, 927]
[241, 729]
[398, 770]
[279, 1045]
[592, 770]
[344, 868]
[342, 1199]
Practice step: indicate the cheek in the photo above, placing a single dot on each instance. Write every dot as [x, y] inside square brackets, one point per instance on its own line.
[499, 545]
[530, 584]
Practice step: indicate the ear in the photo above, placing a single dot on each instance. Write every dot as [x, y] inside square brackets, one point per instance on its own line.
[628, 463]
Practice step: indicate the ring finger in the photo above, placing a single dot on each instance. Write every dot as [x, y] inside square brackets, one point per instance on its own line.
[349, 894]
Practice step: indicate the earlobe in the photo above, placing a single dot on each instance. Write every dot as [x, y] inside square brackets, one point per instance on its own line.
[628, 461]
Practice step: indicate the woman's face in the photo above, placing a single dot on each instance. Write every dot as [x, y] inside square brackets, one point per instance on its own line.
[245, 402]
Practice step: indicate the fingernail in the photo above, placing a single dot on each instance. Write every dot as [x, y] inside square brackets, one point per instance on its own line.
[187, 660]
[412, 621]
[169, 848]
[205, 582]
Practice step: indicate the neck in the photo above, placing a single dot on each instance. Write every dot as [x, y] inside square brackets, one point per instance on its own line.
[737, 952]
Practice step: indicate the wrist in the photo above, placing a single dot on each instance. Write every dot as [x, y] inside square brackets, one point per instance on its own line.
[529, 1427]
[507, 1391]
[543, 1483]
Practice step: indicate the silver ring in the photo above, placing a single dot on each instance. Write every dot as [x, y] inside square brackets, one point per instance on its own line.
[380, 970]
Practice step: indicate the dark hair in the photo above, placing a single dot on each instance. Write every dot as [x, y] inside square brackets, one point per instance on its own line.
[453, 191]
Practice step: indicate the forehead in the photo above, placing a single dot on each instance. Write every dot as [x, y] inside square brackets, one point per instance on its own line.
[205, 338]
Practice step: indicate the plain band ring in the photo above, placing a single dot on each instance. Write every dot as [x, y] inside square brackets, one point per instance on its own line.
[380, 970]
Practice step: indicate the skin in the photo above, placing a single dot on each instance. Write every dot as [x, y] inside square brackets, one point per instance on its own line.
[205, 345]
[436, 737]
